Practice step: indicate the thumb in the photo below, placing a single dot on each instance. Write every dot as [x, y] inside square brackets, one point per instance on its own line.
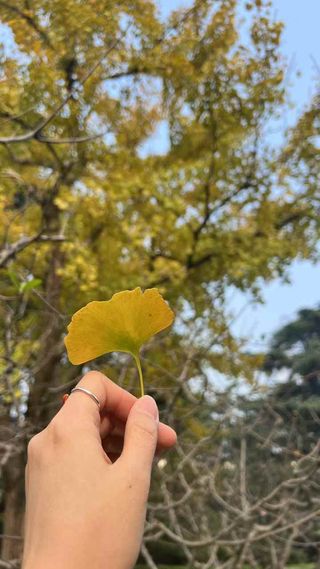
[141, 435]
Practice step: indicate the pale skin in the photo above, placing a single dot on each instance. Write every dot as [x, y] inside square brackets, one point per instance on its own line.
[88, 478]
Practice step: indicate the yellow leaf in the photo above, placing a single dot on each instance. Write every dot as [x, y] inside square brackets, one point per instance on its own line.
[122, 324]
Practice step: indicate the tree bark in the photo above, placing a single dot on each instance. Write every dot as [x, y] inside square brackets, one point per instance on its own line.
[317, 565]
[14, 505]
[37, 415]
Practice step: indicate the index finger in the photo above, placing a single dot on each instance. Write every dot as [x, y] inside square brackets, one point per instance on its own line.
[113, 399]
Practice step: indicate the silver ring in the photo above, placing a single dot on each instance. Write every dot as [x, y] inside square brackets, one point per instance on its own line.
[92, 395]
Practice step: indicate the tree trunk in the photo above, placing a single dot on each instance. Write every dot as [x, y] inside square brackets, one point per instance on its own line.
[14, 505]
[317, 565]
[37, 417]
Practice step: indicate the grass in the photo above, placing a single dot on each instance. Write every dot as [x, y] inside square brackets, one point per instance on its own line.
[299, 566]
[302, 566]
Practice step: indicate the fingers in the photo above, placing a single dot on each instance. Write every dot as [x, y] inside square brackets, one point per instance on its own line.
[115, 406]
[106, 426]
[112, 398]
[113, 446]
[166, 435]
[140, 440]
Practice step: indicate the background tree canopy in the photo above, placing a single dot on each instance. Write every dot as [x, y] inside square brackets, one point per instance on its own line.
[86, 211]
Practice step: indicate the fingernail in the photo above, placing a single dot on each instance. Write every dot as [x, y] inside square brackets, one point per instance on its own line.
[147, 404]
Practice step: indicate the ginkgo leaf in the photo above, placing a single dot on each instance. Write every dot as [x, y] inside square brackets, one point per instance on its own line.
[122, 324]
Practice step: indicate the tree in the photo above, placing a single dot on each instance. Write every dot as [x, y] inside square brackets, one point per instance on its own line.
[85, 212]
[240, 495]
[296, 347]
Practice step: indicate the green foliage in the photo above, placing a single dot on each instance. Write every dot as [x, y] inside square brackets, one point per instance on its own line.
[30, 285]
[296, 345]
[302, 566]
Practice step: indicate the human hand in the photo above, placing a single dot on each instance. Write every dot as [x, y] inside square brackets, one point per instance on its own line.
[88, 477]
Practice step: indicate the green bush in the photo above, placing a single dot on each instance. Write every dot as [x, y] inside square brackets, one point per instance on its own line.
[165, 554]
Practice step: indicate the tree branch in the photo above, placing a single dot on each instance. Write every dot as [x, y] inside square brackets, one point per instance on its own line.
[36, 133]
[11, 251]
[29, 20]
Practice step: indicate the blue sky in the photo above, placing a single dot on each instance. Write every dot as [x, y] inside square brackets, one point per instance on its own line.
[301, 48]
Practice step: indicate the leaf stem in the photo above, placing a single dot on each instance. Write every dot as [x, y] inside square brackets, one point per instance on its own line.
[137, 360]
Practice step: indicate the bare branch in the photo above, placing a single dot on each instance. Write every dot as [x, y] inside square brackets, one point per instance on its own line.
[10, 251]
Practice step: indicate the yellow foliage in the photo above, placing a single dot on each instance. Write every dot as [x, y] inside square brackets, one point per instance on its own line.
[209, 210]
